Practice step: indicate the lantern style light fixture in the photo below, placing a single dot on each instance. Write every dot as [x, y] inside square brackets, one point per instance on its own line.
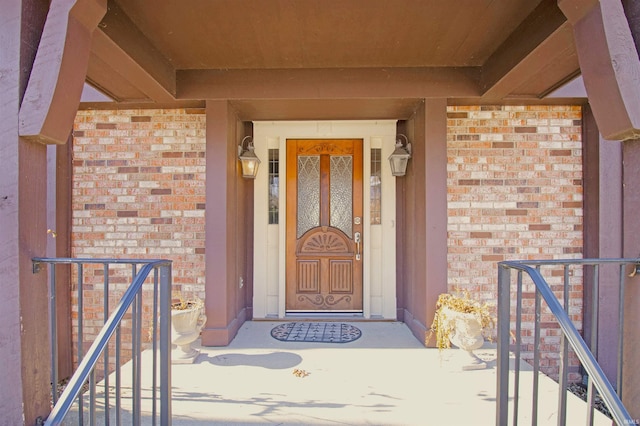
[400, 157]
[248, 159]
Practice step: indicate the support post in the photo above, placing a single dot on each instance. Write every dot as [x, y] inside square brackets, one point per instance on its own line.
[225, 304]
[631, 249]
[424, 232]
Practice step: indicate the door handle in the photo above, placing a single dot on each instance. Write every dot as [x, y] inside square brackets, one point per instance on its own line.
[356, 238]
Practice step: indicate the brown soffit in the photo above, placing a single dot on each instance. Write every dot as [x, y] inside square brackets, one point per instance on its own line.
[256, 52]
[282, 34]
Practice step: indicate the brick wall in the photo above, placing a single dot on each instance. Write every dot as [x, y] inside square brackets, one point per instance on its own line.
[138, 192]
[515, 192]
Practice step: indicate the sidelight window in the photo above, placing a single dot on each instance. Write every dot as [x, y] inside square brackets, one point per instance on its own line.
[375, 186]
[274, 201]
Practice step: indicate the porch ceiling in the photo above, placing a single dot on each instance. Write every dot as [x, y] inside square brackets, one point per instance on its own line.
[295, 59]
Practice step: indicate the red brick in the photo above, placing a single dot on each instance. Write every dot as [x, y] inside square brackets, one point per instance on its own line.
[106, 126]
[162, 191]
[526, 129]
[560, 152]
[539, 227]
[141, 119]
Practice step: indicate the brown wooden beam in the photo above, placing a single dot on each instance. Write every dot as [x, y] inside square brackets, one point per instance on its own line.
[34, 15]
[326, 109]
[55, 84]
[575, 10]
[632, 11]
[128, 52]
[609, 63]
[128, 69]
[338, 83]
[11, 403]
[535, 43]
[603, 237]
[631, 159]
[59, 215]
[556, 50]
[631, 248]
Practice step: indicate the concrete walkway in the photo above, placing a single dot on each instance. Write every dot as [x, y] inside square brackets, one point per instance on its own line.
[386, 377]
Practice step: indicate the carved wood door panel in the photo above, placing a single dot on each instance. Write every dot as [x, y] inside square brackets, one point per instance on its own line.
[324, 225]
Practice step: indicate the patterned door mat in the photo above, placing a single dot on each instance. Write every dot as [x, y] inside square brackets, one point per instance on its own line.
[325, 332]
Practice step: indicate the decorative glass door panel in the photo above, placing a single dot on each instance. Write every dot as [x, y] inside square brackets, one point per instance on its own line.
[324, 225]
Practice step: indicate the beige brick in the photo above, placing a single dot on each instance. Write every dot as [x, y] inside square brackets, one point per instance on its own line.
[118, 160]
[526, 177]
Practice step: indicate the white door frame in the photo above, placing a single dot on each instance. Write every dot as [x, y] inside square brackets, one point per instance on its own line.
[379, 248]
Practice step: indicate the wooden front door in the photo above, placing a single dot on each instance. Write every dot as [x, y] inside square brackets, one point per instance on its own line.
[324, 225]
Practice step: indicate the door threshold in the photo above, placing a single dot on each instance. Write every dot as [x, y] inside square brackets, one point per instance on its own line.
[318, 316]
[326, 316]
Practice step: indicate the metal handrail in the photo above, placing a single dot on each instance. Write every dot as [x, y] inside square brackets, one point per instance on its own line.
[111, 328]
[586, 357]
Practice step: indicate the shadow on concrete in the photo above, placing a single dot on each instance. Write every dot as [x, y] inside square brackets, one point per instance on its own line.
[273, 360]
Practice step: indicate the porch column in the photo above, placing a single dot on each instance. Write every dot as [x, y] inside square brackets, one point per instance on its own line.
[610, 66]
[10, 338]
[24, 394]
[59, 212]
[226, 231]
[602, 171]
[631, 248]
[44, 55]
[424, 238]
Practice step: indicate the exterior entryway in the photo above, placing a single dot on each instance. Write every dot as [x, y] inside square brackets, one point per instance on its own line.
[324, 219]
[324, 225]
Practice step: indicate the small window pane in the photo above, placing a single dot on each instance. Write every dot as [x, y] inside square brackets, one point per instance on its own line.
[375, 186]
[308, 193]
[274, 165]
[341, 198]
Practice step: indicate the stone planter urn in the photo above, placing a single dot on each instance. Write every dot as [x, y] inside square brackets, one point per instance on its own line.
[187, 320]
[467, 335]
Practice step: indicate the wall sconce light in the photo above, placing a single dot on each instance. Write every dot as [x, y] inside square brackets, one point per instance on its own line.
[400, 157]
[248, 159]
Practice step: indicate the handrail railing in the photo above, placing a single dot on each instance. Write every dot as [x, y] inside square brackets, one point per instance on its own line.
[160, 332]
[596, 376]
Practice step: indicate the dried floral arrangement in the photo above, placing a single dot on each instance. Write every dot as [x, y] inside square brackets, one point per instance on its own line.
[443, 326]
[178, 303]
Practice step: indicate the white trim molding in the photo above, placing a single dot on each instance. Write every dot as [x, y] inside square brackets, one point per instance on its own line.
[379, 242]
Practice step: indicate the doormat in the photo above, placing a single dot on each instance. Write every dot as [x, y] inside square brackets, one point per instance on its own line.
[324, 332]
